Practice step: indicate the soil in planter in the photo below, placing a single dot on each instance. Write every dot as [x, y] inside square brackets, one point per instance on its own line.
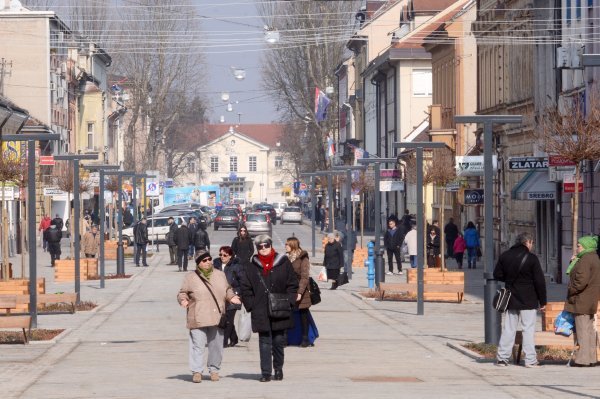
[544, 353]
[66, 307]
[16, 337]
[394, 296]
[111, 277]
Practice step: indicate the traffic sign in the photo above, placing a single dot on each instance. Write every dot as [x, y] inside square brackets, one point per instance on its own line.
[473, 196]
[46, 160]
[152, 189]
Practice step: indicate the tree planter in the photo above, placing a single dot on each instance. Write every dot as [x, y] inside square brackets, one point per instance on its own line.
[64, 269]
[433, 276]
[21, 287]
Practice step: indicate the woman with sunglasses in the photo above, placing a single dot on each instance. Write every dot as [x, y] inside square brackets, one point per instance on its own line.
[301, 265]
[229, 265]
[204, 293]
[270, 271]
[242, 246]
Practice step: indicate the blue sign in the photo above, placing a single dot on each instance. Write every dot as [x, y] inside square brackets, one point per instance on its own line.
[232, 177]
[303, 193]
[206, 195]
[296, 187]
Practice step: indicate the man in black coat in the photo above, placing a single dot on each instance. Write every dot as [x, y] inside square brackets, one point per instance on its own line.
[520, 269]
[183, 241]
[140, 236]
[171, 241]
[58, 222]
[201, 240]
[450, 234]
[392, 240]
[193, 228]
[53, 236]
[272, 271]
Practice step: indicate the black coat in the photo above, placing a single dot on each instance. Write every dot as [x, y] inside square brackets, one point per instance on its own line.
[334, 256]
[140, 233]
[450, 232]
[394, 242]
[243, 249]
[171, 235]
[281, 279]
[58, 222]
[201, 240]
[528, 287]
[193, 228]
[182, 238]
[52, 235]
[233, 271]
[433, 245]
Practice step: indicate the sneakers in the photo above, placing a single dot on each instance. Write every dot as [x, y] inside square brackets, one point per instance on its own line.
[533, 365]
[197, 378]
[214, 376]
[502, 363]
[389, 273]
[400, 273]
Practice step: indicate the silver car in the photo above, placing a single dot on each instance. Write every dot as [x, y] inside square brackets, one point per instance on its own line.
[258, 223]
[291, 214]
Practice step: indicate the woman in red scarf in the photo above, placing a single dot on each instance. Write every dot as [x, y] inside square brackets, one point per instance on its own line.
[267, 272]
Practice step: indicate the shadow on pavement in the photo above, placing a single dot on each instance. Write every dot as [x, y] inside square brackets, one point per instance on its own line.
[182, 377]
[244, 376]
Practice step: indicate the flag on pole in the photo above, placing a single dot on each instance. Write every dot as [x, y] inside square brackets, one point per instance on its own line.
[330, 146]
[321, 104]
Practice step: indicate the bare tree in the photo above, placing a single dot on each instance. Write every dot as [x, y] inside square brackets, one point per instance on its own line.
[293, 149]
[65, 182]
[572, 132]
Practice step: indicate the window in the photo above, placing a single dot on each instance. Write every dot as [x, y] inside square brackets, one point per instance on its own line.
[233, 164]
[578, 9]
[252, 163]
[214, 164]
[279, 161]
[421, 82]
[191, 166]
[90, 136]
[568, 7]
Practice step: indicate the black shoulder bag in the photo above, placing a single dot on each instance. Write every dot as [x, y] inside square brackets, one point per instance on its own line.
[502, 297]
[279, 304]
[223, 319]
[315, 291]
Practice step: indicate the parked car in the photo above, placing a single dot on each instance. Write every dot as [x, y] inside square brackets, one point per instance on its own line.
[268, 209]
[227, 217]
[158, 227]
[187, 214]
[183, 206]
[291, 214]
[279, 207]
[258, 223]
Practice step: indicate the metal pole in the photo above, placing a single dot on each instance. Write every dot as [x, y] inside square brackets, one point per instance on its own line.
[330, 194]
[349, 230]
[133, 197]
[101, 212]
[120, 252]
[313, 201]
[420, 234]
[379, 267]
[32, 231]
[75, 229]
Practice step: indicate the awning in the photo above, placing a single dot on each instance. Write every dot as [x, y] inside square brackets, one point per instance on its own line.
[535, 186]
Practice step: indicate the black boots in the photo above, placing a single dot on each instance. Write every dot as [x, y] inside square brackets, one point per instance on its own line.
[278, 375]
[334, 285]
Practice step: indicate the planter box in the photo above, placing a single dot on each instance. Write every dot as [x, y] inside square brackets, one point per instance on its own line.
[20, 287]
[64, 269]
[360, 255]
[434, 276]
[553, 309]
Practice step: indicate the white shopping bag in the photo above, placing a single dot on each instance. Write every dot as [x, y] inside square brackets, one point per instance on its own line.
[322, 274]
[244, 330]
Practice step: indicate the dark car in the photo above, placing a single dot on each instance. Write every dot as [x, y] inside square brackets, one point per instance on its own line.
[268, 209]
[186, 214]
[227, 217]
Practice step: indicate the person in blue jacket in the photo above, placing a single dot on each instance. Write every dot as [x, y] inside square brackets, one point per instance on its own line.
[471, 236]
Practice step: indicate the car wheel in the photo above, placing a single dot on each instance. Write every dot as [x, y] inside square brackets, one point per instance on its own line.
[216, 227]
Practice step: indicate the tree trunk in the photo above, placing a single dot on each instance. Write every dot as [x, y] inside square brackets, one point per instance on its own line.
[5, 269]
[24, 223]
[362, 221]
[442, 237]
[425, 232]
[70, 229]
[576, 208]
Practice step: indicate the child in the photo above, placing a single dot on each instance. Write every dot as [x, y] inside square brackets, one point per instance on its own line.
[459, 249]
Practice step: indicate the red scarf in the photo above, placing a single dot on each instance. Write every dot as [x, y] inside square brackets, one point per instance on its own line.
[267, 261]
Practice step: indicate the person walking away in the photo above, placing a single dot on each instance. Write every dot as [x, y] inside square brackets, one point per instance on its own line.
[347, 239]
[53, 236]
[182, 239]
[406, 221]
[433, 248]
[91, 242]
[322, 217]
[458, 250]
[392, 240]
[171, 241]
[450, 234]
[203, 294]
[583, 294]
[140, 235]
[200, 241]
[193, 228]
[58, 222]
[270, 271]
[333, 260]
[471, 236]
[301, 265]
[522, 274]
[242, 246]
[411, 242]
[228, 264]
[44, 225]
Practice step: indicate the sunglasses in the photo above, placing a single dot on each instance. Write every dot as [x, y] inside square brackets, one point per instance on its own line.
[206, 260]
[263, 245]
[224, 255]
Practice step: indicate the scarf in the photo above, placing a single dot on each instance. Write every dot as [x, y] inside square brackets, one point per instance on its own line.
[267, 261]
[294, 255]
[205, 273]
[589, 244]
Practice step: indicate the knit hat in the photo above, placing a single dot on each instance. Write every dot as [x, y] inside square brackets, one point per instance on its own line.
[588, 242]
[202, 254]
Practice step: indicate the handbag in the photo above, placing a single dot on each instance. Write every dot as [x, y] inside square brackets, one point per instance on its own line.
[502, 297]
[279, 304]
[223, 320]
[479, 254]
[343, 279]
[315, 291]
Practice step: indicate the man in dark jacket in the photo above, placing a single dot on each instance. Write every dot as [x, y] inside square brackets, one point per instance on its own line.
[58, 222]
[53, 236]
[522, 274]
[450, 234]
[406, 221]
[140, 236]
[171, 241]
[392, 240]
[200, 240]
[272, 270]
[182, 239]
[193, 228]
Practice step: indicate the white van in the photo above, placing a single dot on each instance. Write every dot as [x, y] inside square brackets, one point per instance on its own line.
[279, 207]
[158, 227]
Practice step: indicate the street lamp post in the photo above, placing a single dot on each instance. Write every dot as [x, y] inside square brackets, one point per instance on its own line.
[491, 317]
[313, 203]
[75, 158]
[31, 228]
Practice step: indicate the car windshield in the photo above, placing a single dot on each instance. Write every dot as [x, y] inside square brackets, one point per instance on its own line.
[292, 209]
[227, 212]
[256, 218]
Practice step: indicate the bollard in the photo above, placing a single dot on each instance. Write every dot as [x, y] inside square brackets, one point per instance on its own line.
[380, 265]
[157, 250]
[370, 264]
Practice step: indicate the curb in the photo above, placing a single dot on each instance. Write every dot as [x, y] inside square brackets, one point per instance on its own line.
[468, 352]
[357, 295]
[53, 340]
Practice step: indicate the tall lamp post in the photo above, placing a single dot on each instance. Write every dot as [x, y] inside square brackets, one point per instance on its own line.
[491, 317]
[313, 202]
[419, 146]
[31, 228]
[75, 158]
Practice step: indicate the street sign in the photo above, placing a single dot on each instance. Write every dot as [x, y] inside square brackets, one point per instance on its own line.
[94, 179]
[303, 186]
[527, 163]
[52, 191]
[473, 196]
[46, 160]
[472, 165]
[390, 180]
[453, 186]
[558, 160]
[152, 189]
[356, 198]
[303, 193]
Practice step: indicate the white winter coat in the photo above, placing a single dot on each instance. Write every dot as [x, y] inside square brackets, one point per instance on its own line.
[411, 242]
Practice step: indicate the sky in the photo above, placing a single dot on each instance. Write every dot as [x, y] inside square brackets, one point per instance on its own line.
[242, 47]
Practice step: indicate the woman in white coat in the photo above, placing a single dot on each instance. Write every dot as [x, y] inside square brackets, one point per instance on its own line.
[411, 242]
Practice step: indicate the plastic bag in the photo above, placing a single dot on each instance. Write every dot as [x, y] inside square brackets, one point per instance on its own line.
[322, 274]
[564, 324]
[244, 330]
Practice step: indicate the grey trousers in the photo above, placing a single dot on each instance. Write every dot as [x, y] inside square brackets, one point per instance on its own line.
[585, 327]
[199, 339]
[509, 329]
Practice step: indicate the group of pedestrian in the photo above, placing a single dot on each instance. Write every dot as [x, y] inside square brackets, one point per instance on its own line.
[458, 243]
[185, 241]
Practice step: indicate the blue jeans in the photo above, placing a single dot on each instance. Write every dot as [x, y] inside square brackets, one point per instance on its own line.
[472, 257]
[413, 261]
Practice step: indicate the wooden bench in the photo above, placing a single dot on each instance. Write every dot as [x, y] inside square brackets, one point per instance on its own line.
[8, 302]
[458, 289]
[66, 297]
